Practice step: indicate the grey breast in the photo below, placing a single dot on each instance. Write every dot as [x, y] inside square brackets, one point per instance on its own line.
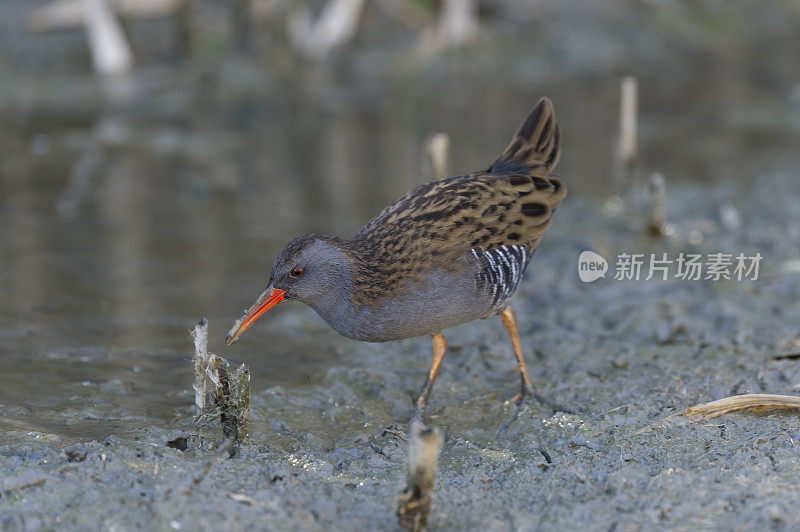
[475, 287]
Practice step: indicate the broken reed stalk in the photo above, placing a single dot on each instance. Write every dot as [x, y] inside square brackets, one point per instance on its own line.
[27, 479]
[414, 504]
[458, 23]
[336, 25]
[756, 402]
[437, 149]
[627, 148]
[202, 395]
[111, 52]
[220, 391]
[234, 401]
[658, 224]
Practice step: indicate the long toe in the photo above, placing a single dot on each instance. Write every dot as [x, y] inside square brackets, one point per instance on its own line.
[525, 392]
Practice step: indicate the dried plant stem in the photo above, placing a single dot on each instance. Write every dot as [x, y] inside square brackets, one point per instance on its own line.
[658, 225]
[757, 402]
[201, 384]
[458, 22]
[336, 25]
[27, 479]
[414, 504]
[437, 149]
[111, 52]
[627, 145]
[220, 392]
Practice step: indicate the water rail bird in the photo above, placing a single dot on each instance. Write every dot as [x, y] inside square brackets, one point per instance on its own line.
[446, 253]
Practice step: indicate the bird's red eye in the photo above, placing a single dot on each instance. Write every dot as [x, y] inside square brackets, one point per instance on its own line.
[296, 272]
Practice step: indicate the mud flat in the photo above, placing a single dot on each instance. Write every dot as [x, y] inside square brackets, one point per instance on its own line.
[623, 356]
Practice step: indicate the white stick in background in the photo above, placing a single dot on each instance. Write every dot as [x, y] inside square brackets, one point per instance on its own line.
[111, 53]
[627, 145]
[335, 26]
[627, 118]
[458, 24]
[437, 149]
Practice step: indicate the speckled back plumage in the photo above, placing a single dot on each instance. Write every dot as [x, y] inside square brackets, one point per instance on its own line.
[506, 208]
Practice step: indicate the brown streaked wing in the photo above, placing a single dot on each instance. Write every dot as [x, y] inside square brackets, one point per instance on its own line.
[438, 223]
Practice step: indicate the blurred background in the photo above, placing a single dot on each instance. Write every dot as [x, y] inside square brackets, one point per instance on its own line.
[156, 155]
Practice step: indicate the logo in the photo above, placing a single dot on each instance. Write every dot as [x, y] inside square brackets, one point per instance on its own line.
[684, 267]
[591, 266]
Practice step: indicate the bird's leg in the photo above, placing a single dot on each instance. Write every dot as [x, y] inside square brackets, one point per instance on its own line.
[527, 390]
[439, 350]
[510, 323]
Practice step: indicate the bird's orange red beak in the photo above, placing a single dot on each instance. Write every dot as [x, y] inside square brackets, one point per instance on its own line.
[267, 300]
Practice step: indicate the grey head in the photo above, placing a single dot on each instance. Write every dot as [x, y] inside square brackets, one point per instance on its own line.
[313, 269]
[310, 268]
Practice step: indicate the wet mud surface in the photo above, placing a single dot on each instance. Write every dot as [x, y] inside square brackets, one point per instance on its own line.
[622, 356]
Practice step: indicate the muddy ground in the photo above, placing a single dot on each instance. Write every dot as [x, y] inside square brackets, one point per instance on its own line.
[623, 356]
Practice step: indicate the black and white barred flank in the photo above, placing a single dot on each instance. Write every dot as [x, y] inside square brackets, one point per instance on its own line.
[501, 270]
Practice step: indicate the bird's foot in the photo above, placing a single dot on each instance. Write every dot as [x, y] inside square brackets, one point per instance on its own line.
[528, 392]
[523, 398]
[523, 395]
[416, 417]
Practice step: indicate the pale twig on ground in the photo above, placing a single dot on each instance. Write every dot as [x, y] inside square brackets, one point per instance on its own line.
[414, 504]
[201, 389]
[219, 391]
[27, 479]
[658, 225]
[757, 402]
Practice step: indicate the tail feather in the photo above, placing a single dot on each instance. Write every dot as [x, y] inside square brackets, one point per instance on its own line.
[536, 144]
